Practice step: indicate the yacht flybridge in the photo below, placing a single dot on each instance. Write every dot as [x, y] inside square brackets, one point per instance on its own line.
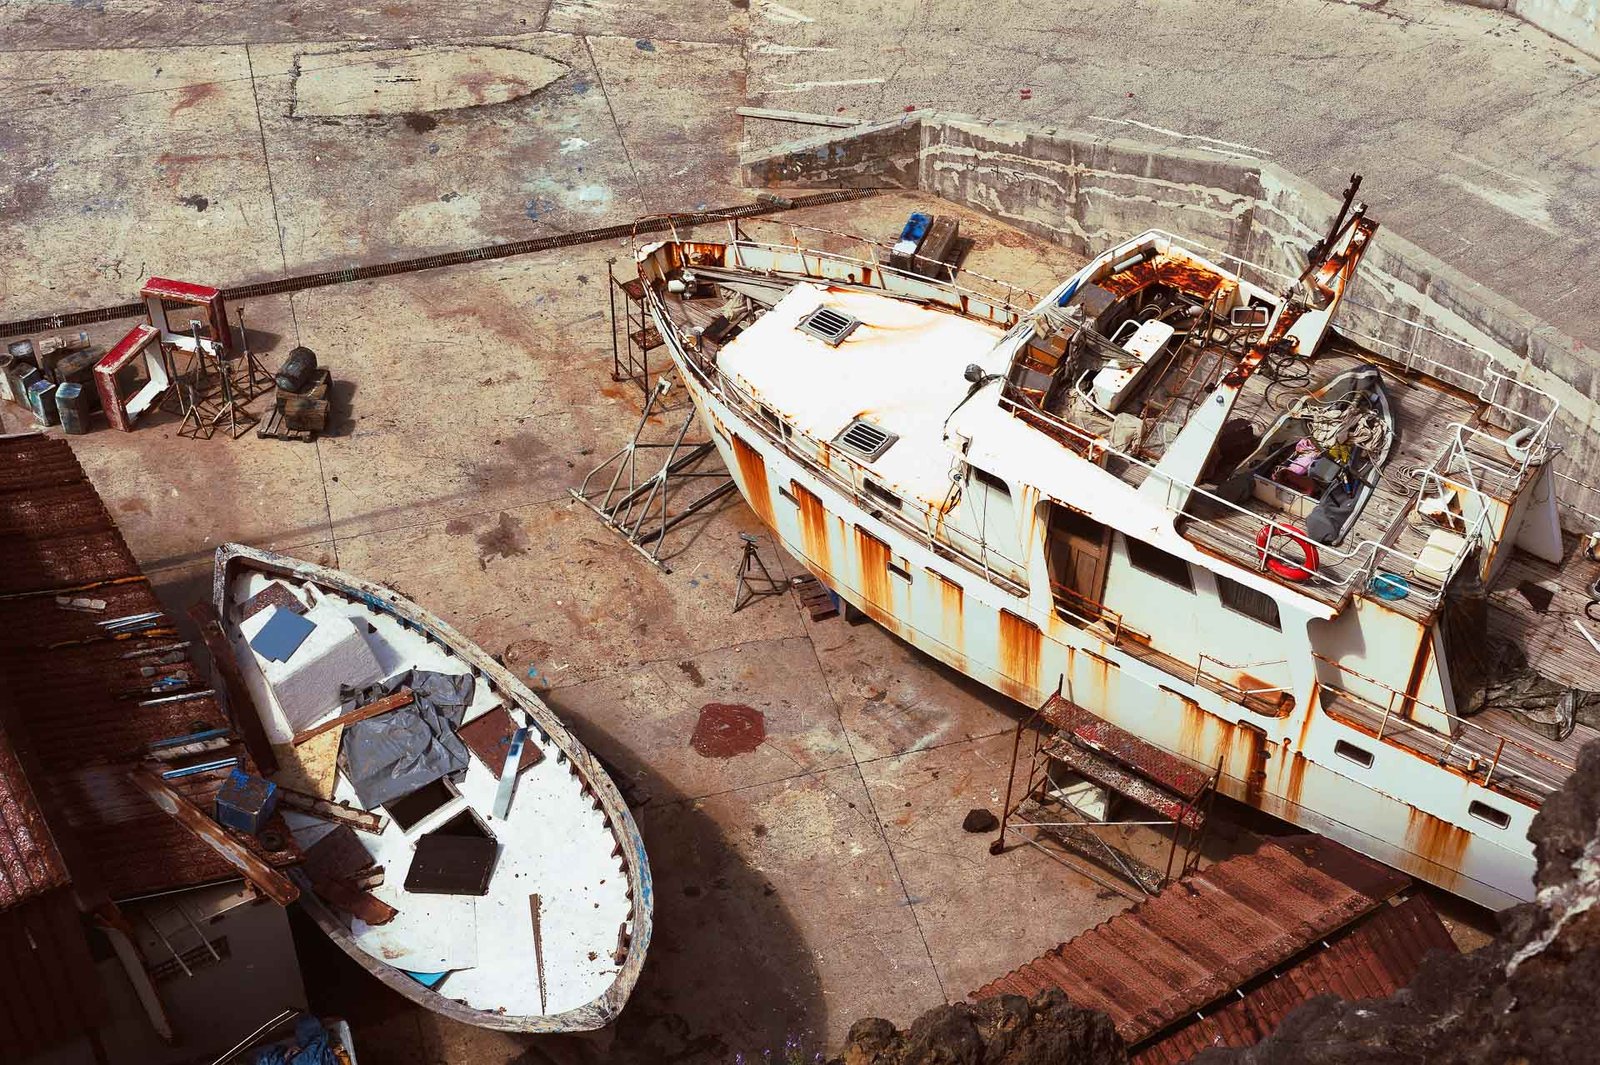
[1169, 488]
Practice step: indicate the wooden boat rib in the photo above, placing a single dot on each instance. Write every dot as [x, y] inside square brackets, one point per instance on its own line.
[568, 836]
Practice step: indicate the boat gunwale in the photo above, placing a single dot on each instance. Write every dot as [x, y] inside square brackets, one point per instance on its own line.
[596, 1013]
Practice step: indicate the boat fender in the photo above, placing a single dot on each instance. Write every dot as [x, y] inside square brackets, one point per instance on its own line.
[1287, 570]
[1518, 443]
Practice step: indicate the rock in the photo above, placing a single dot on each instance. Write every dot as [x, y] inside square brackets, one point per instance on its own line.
[1003, 1030]
[980, 820]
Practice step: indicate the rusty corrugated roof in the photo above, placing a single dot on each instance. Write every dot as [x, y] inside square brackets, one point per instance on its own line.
[49, 990]
[1374, 960]
[30, 863]
[1209, 933]
[71, 691]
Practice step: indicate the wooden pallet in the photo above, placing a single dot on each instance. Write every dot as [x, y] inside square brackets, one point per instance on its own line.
[273, 428]
[814, 597]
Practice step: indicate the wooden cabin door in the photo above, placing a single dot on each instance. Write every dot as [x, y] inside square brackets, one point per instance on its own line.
[1079, 549]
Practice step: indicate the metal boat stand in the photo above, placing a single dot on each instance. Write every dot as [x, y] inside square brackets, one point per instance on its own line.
[1079, 762]
[642, 504]
[748, 585]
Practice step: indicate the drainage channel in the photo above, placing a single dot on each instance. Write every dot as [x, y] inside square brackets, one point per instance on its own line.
[301, 282]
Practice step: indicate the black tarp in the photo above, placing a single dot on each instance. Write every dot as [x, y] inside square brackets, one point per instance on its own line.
[396, 753]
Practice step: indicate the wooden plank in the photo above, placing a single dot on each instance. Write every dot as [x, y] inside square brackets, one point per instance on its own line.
[242, 710]
[338, 813]
[806, 118]
[267, 880]
[403, 697]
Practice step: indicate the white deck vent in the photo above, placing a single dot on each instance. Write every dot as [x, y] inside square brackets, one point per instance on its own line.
[828, 325]
[863, 438]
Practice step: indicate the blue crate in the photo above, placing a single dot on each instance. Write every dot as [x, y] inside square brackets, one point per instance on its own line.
[245, 802]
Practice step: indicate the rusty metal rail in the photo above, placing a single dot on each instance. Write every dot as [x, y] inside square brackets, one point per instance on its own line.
[302, 282]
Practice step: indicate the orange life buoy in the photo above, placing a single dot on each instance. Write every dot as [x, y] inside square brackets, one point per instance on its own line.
[1284, 569]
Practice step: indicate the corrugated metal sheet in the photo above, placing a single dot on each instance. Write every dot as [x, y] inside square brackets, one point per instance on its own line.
[71, 690]
[1209, 933]
[1374, 960]
[30, 864]
[49, 990]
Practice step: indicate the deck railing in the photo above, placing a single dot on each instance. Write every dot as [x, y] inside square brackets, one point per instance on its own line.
[1525, 409]
[1244, 528]
[1341, 572]
[1469, 746]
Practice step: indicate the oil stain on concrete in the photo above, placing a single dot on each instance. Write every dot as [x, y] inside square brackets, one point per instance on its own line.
[727, 730]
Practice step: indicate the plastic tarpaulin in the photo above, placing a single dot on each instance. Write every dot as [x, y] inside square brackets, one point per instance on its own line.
[396, 753]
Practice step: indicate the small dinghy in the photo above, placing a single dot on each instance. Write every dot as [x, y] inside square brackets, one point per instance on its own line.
[477, 859]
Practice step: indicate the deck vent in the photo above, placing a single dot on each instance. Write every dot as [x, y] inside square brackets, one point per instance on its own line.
[828, 325]
[865, 439]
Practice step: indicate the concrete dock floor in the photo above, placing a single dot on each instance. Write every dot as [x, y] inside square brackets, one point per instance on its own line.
[822, 876]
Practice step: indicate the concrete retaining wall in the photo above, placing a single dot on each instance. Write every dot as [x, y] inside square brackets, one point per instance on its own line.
[1087, 192]
[1575, 21]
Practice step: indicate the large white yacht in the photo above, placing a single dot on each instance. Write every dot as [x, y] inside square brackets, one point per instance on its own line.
[1334, 568]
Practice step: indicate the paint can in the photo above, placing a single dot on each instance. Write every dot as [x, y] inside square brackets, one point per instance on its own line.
[72, 403]
[23, 375]
[42, 400]
[6, 363]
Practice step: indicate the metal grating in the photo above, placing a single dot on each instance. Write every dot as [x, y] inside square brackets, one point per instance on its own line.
[828, 325]
[865, 439]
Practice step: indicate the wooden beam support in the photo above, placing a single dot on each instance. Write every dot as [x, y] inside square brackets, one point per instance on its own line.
[267, 880]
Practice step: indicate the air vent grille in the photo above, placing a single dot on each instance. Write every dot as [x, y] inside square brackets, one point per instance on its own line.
[865, 439]
[828, 325]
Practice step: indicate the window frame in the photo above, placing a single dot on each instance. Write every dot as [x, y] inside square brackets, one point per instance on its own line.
[1130, 550]
[1226, 583]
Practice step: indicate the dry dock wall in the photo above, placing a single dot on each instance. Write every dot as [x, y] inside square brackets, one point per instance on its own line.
[1087, 192]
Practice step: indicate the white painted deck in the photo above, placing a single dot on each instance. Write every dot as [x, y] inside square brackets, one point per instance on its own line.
[554, 843]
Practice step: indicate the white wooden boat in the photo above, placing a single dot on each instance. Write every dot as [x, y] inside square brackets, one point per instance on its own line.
[1027, 489]
[567, 837]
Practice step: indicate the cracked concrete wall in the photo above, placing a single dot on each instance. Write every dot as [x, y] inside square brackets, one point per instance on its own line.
[1089, 191]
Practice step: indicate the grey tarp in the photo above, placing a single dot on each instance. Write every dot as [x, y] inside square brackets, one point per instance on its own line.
[396, 753]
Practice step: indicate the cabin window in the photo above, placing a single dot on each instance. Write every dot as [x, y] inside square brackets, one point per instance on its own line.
[1484, 812]
[879, 494]
[1359, 755]
[768, 416]
[1157, 563]
[1242, 599]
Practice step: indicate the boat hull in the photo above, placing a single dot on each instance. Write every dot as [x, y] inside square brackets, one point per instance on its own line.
[600, 1011]
[1017, 645]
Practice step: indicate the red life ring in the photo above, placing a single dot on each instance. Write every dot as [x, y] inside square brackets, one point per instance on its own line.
[1283, 569]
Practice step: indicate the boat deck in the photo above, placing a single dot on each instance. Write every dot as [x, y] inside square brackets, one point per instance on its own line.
[1423, 414]
[555, 843]
[1531, 761]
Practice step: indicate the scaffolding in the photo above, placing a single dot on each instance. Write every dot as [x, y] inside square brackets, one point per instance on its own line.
[1079, 765]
